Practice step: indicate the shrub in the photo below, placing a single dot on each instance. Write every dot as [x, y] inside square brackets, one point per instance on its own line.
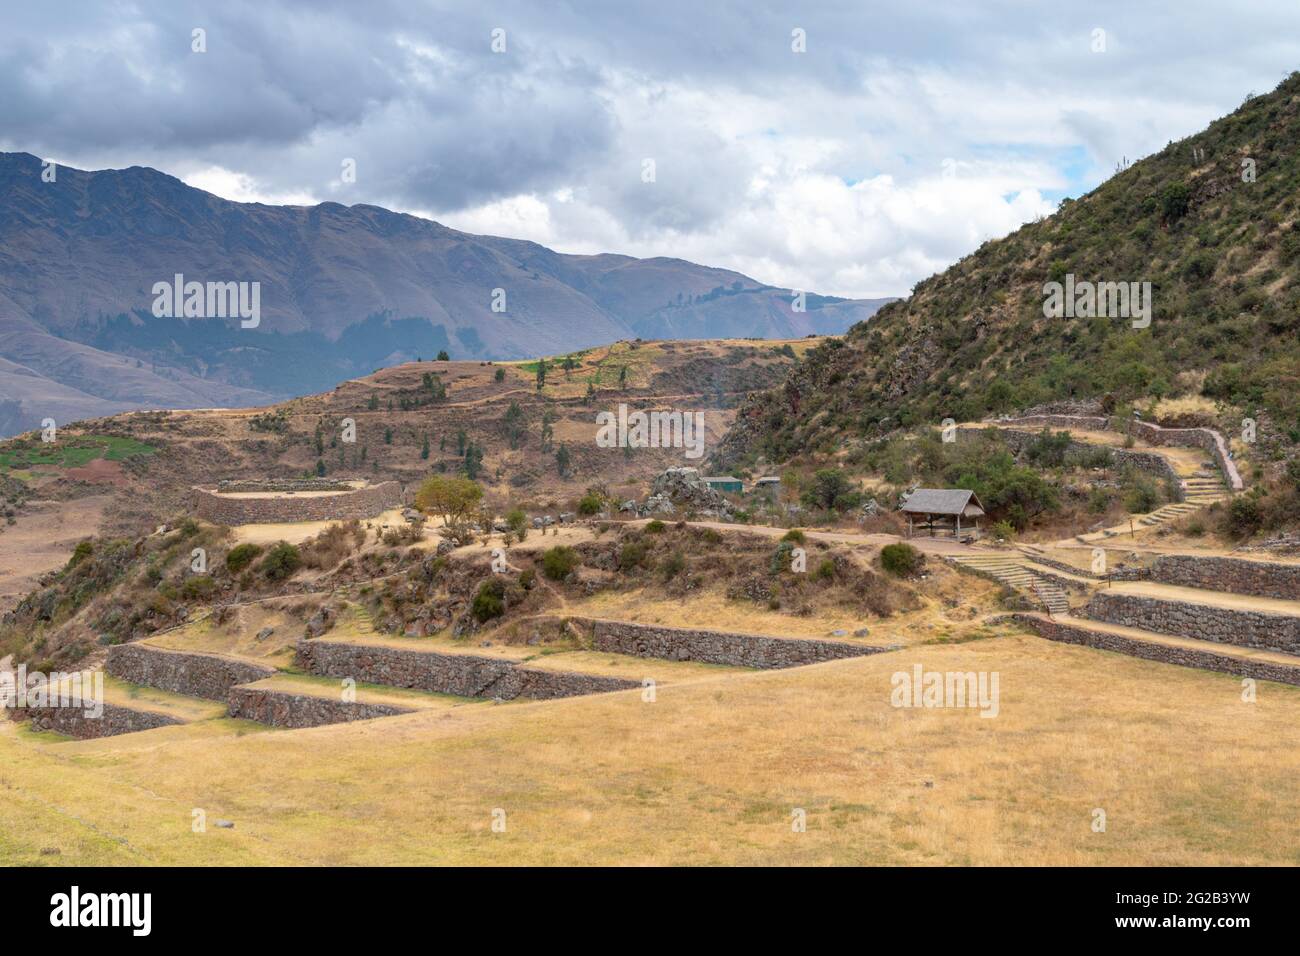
[590, 504]
[489, 601]
[1003, 531]
[198, 587]
[1243, 517]
[782, 557]
[632, 555]
[81, 552]
[241, 556]
[825, 570]
[655, 526]
[558, 562]
[795, 535]
[901, 560]
[281, 561]
[673, 565]
[1142, 497]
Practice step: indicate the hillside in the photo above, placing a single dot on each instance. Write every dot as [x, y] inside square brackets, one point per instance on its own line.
[125, 473]
[1219, 246]
[343, 290]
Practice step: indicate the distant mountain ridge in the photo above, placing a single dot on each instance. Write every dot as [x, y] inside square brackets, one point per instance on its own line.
[343, 290]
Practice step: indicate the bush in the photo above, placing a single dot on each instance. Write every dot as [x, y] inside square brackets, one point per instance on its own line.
[1142, 497]
[590, 504]
[632, 555]
[81, 552]
[673, 565]
[901, 560]
[655, 526]
[281, 561]
[1243, 517]
[489, 601]
[199, 587]
[795, 535]
[825, 570]
[241, 556]
[558, 562]
[1003, 531]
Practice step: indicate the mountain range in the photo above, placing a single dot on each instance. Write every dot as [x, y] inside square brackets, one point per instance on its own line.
[342, 290]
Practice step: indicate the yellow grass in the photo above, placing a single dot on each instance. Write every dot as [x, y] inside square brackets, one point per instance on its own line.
[710, 772]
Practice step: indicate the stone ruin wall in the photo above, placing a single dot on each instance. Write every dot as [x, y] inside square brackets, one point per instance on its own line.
[1164, 653]
[194, 675]
[717, 647]
[360, 503]
[1204, 622]
[465, 675]
[1257, 578]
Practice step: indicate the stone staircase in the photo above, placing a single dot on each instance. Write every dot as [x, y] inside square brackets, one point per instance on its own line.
[1204, 489]
[1014, 570]
[1199, 491]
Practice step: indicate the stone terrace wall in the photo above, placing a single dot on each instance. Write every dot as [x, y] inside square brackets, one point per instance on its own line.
[1144, 461]
[1204, 622]
[1260, 578]
[718, 647]
[1147, 650]
[282, 484]
[74, 722]
[1206, 439]
[361, 503]
[464, 675]
[195, 675]
[283, 709]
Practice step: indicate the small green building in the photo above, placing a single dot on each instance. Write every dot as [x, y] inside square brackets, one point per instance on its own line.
[726, 483]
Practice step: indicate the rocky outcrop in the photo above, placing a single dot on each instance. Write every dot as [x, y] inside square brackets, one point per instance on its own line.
[465, 675]
[182, 672]
[1260, 578]
[1203, 622]
[718, 647]
[682, 490]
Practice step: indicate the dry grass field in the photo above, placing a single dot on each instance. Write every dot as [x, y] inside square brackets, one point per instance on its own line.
[710, 772]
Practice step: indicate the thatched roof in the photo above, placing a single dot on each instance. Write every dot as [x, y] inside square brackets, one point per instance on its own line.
[943, 501]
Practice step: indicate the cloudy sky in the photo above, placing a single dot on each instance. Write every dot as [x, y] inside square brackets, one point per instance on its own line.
[903, 136]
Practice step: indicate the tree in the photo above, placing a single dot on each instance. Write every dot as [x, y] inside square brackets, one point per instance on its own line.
[388, 436]
[562, 461]
[622, 376]
[452, 499]
[830, 489]
[499, 375]
[541, 373]
[424, 449]
[443, 356]
[320, 468]
[473, 460]
[514, 423]
[374, 401]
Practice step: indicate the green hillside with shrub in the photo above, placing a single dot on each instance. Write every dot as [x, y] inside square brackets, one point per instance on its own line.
[1209, 221]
